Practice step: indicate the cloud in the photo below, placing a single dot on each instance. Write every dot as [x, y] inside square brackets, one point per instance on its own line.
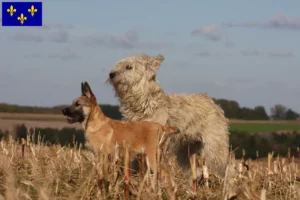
[250, 53]
[170, 33]
[34, 55]
[220, 84]
[280, 54]
[49, 26]
[278, 21]
[57, 33]
[29, 36]
[238, 80]
[210, 32]
[203, 54]
[254, 52]
[229, 44]
[285, 22]
[60, 37]
[129, 40]
[233, 81]
[66, 55]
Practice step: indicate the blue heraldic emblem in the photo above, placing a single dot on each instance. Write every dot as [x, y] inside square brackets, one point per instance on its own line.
[22, 14]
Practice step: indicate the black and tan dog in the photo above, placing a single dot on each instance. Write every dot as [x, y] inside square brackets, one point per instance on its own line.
[103, 133]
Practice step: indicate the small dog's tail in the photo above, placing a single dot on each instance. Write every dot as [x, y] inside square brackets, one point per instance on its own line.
[170, 130]
[167, 131]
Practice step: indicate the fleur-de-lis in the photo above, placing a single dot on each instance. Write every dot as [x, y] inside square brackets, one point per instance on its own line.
[11, 10]
[22, 18]
[32, 10]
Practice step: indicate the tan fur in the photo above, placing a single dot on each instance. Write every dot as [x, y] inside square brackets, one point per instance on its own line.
[203, 127]
[103, 133]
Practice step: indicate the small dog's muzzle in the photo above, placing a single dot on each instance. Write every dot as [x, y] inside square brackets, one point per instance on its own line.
[65, 111]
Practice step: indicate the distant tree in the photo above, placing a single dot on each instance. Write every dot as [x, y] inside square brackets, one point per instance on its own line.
[291, 115]
[260, 113]
[278, 112]
[246, 114]
[230, 107]
[110, 110]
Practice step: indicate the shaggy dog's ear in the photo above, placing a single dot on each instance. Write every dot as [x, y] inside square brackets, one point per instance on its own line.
[155, 61]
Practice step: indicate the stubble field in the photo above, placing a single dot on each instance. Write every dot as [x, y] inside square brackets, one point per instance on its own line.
[55, 172]
[32, 171]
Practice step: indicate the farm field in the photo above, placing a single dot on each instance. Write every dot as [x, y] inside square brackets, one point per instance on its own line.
[8, 120]
[44, 172]
[264, 127]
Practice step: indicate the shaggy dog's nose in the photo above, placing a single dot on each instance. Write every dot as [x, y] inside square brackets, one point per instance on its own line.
[112, 75]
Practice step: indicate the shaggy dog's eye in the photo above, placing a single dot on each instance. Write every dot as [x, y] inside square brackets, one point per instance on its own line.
[77, 104]
[128, 67]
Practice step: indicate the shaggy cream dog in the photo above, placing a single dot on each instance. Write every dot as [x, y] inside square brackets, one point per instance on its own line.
[202, 124]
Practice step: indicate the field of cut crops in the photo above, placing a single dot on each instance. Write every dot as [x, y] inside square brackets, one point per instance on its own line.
[35, 171]
[32, 171]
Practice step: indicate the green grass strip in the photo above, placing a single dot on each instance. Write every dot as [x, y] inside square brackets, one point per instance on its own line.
[258, 127]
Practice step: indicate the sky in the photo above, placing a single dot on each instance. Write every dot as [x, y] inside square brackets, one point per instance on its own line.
[241, 50]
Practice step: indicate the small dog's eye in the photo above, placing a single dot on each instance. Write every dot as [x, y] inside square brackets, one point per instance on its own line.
[77, 104]
[128, 67]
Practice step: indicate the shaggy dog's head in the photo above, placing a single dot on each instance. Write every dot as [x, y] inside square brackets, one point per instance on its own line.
[134, 70]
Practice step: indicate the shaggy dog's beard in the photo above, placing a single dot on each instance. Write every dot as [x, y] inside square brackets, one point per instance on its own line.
[122, 87]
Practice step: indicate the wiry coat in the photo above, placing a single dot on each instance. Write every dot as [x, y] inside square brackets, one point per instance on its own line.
[202, 124]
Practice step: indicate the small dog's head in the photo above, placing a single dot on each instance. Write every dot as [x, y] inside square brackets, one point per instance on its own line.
[81, 106]
[134, 69]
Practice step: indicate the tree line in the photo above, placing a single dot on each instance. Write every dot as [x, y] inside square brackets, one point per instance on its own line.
[231, 109]
[109, 110]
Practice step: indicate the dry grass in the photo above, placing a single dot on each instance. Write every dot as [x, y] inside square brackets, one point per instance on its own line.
[66, 173]
[54, 172]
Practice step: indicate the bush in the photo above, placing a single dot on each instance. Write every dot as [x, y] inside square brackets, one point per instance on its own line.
[251, 142]
[264, 143]
[63, 136]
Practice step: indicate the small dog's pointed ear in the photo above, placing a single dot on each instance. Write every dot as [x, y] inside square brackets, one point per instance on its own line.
[155, 61]
[87, 90]
[82, 89]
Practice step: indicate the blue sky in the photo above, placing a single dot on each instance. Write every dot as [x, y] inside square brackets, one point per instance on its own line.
[241, 50]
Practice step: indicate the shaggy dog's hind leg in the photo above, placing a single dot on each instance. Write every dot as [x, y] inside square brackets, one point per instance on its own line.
[185, 150]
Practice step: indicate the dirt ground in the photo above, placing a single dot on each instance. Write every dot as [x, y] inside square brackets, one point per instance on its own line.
[8, 120]
[30, 115]
[7, 124]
